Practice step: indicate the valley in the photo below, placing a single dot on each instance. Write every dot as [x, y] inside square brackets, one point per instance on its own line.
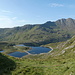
[59, 60]
[37, 37]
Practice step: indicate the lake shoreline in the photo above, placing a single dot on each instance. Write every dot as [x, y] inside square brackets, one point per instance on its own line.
[48, 47]
[31, 51]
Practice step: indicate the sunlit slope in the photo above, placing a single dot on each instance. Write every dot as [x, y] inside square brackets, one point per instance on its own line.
[60, 61]
[59, 30]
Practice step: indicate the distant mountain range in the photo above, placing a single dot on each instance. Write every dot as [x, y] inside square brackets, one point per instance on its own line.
[48, 32]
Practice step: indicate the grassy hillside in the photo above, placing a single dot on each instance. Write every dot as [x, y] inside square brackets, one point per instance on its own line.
[38, 34]
[60, 61]
[6, 65]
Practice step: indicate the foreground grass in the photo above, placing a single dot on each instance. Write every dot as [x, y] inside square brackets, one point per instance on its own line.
[54, 63]
[51, 66]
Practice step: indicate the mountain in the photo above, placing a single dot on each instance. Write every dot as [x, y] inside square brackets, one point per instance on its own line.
[60, 61]
[68, 23]
[48, 32]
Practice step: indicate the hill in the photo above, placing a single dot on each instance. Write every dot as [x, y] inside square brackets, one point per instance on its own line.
[6, 65]
[60, 61]
[48, 32]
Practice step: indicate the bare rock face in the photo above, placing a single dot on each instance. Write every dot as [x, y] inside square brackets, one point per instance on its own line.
[66, 23]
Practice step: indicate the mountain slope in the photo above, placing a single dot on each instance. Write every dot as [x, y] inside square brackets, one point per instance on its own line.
[60, 61]
[48, 32]
[6, 65]
[63, 48]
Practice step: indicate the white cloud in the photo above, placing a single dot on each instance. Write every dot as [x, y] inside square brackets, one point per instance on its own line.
[55, 5]
[14, 18]
[6, 11]
[7, 22]
[61, 5]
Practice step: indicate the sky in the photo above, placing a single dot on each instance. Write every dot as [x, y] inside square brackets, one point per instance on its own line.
[20, 12]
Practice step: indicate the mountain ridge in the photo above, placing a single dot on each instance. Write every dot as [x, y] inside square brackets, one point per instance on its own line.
[48, 32]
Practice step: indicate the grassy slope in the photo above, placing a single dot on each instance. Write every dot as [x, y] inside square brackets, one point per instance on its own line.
[6, 65]
[61, 61]
[42, 33]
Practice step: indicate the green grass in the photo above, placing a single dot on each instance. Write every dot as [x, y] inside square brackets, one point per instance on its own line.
[6, 65]
[58, 65]
[53, 63]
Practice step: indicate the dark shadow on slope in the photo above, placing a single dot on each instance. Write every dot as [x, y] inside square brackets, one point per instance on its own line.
[6, 65]
[53, 40]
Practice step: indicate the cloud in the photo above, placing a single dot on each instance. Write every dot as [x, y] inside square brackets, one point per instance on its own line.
[14, 18]
[55, 5]
[6, 11]
[61, 5]
[7, 22]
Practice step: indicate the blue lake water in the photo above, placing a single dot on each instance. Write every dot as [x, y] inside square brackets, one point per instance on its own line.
[34, 50]
[1, 51]
[38, 50]
[20, 45]
[18, 54]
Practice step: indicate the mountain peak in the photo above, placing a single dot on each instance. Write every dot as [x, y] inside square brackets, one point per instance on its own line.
[69, 22]
[69, 19]
[63, 19]
[48, 22]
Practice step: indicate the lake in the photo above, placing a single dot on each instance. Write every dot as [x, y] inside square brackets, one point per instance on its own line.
[18, 54]
[1, 51]
[34, 50]
[38, 50]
